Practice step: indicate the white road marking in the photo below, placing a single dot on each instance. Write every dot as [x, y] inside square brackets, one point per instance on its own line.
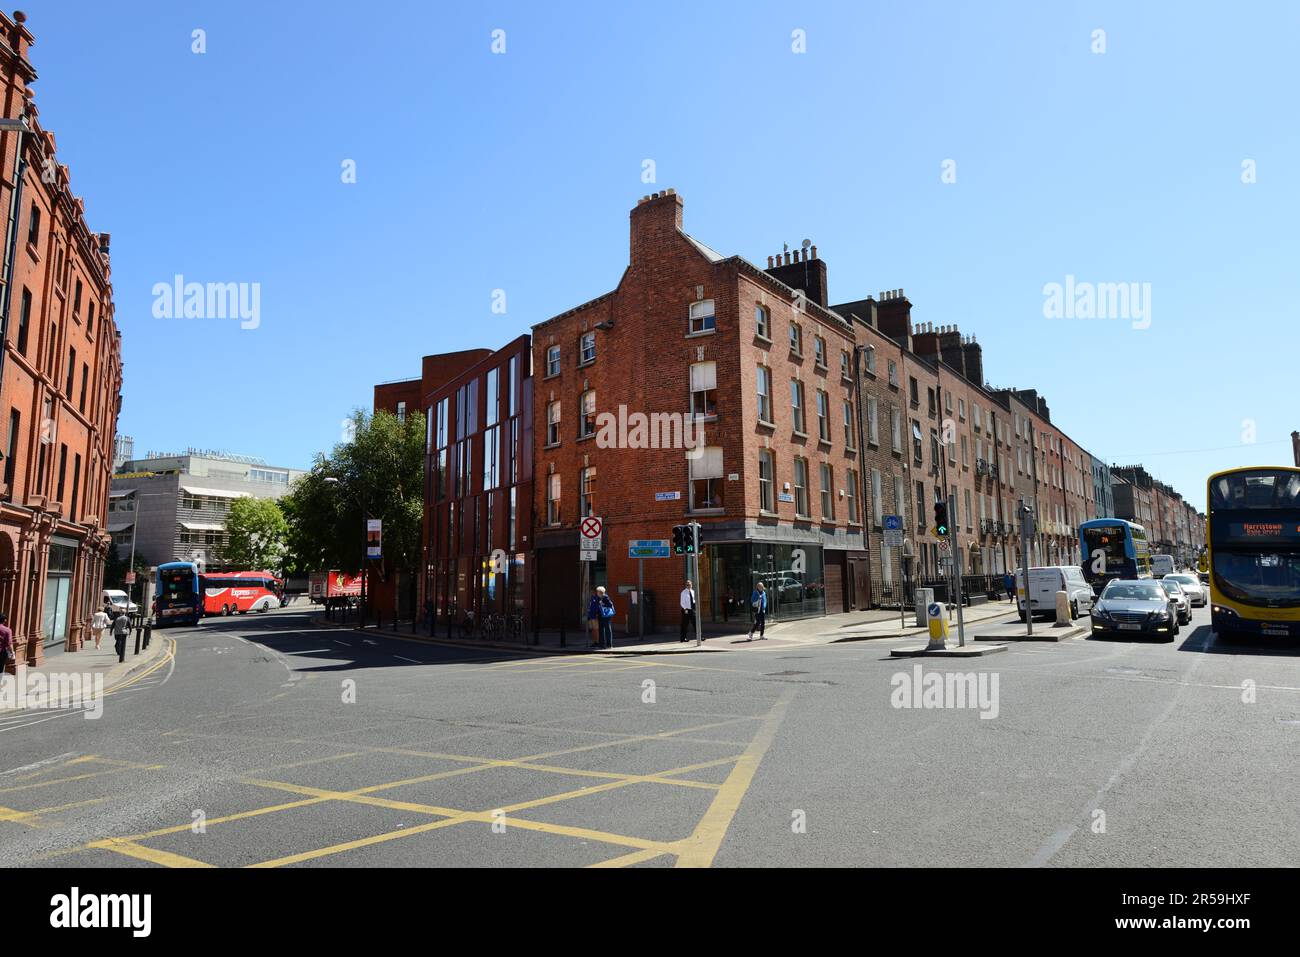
[411, 660]
[40, 764]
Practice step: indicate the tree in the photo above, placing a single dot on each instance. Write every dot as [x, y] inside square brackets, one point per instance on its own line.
[115, 569]
[382, 469]
[257, 530]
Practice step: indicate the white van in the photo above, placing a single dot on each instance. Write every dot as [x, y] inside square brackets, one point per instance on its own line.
[117, 600]
[1045, 582]
[1162, 565]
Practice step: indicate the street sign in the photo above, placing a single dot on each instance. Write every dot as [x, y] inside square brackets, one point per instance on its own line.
[374, 537]
[894, 537]
[668, 496]
[591, 528]
[130, 578]
[893, 523]
[587, 556]
[649, 548]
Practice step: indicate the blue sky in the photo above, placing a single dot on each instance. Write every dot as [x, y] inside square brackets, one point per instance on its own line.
[479, 171]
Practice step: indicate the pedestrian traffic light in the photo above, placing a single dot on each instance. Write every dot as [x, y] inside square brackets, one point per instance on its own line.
[941, 519]
[692, 539]
[679, 539]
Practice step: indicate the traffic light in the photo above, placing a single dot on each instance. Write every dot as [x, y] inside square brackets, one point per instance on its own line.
[684, 540]
[941, 519]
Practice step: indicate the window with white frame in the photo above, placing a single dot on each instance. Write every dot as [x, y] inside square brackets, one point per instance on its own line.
[801, 487]
[869, 359]
[900, 494]
[851, 495]
[796, 339]
[704, 389]
[587, 349]
[828, 492]
[844, 365]
[877, 500]
[587, 418]
[766, 480]
[848, 424]
[961, 409]
[896, 429]
[702, 319]
[968, 511]
[823, 416]
[553, 500]
[796, 405]
[762, 322]
[819, 351]
[586, 492]
[873, 430]
[893, 373]
[553, 361]
[553, 422]
[706, 478]
[975, 414]
[764, 394]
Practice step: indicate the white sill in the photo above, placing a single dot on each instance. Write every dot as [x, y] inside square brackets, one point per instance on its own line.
[701, 334]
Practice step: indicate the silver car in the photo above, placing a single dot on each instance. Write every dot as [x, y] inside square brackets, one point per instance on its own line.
[1197, 593]
[1175, 592]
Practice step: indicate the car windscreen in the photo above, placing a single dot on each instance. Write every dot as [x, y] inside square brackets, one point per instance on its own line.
[1138, 591]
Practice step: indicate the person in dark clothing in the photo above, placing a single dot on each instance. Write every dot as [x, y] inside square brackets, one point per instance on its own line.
[687, 602]
[1009, 583]
[758, 601]
[601, 611]
[6, 644]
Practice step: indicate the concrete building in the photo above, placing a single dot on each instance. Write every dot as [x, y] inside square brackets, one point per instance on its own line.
[175, 505]
[60, 381]
[123, 451]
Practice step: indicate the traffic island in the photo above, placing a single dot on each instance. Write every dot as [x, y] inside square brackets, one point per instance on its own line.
[1050, 633]
[969, 651]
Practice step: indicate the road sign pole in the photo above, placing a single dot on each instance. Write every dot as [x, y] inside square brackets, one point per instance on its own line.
[1025, 531]
[640, 598]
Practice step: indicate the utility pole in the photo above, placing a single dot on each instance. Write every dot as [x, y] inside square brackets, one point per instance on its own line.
[699, 628]
[1026, 529]
[954, 577]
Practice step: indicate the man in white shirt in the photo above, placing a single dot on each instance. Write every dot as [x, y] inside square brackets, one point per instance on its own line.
[688, 610]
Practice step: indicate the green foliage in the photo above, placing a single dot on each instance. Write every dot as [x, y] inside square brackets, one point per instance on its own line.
[115, 569]
[379, 474]
[257, 530]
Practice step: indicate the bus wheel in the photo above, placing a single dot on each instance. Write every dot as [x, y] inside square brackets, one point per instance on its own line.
[225, 610]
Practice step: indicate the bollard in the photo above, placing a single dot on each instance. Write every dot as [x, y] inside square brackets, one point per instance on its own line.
[449, 625]
[1063, 617]
[138, 630]
[148, 631]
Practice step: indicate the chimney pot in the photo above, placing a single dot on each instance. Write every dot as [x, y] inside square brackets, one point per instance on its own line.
[787, 257]
[769, 262]
[814, 252]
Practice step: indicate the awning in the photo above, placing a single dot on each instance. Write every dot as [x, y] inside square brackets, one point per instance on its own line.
[115, 527]
[213, 492]
[202, 527]
[121, 493]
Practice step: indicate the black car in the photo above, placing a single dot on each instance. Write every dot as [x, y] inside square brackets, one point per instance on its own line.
[1135, 608]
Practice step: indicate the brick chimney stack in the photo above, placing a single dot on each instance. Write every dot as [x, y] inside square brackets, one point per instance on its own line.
[894, 315]
[805, 272]
[656, 221]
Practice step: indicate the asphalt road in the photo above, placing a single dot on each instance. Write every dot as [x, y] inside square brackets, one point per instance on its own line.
[269, 742]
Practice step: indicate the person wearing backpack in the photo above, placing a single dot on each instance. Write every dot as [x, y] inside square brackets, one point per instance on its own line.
[601, 611]
[6, 644]
[758, 601]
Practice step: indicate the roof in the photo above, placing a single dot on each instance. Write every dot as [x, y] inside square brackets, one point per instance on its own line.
[709, 254]
[119, 526]
[214, 492]
[121, 493]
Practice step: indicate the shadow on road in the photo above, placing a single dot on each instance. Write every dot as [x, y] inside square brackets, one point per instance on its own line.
[1204, 640]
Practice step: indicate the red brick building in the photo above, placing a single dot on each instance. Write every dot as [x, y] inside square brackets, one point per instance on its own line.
[691, 341]
[60, 382]
[478, 497]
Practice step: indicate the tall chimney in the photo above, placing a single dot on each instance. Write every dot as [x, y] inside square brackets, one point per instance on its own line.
[656, 223]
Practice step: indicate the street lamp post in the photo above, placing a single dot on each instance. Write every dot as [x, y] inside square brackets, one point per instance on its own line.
[365, 562]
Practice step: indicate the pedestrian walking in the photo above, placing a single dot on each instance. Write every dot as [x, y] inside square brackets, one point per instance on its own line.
[121, 628]
[1009, 583]
[6, 644]
[758, 601]
[601, 613]
[688, 610]
[99, 623]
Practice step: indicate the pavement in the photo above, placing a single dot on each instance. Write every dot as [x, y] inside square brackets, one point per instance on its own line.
[92, 668]
[826, 629]
[272, 742]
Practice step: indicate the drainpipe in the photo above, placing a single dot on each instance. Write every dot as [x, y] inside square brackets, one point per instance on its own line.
[18, 126]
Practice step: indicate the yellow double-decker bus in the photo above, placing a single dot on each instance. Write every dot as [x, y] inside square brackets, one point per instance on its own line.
[1253, 550]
